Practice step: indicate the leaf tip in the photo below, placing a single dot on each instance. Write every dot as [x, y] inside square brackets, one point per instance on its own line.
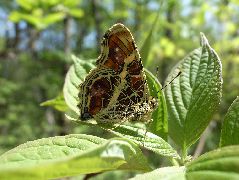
[203, 39]
[74, 58]
[43, 103]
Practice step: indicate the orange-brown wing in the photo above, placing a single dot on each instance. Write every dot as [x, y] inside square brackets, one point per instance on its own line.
[96, 91]
[116, 46]
[118, 84]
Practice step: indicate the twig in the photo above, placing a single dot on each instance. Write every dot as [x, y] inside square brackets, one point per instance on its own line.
[202, 140]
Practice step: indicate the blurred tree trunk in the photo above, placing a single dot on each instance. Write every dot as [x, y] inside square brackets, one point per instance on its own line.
[170, 19]
[97, 20]
[12, 43]
[7, 40]
[137, 18]
[171, 7]
[34, 34]
[83, 26]
[80, 37]
[67, 35]
[63, 124]
[120, 6]
[17, 37]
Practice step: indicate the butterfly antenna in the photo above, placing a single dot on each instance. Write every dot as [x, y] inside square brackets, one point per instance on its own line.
[171, 80]
[146, 130]
[157, 72]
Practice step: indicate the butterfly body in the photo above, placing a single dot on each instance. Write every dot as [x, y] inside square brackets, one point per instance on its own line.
[116, 90]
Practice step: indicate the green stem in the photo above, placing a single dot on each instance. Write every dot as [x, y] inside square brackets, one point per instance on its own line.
[174, 162]
[184, 153]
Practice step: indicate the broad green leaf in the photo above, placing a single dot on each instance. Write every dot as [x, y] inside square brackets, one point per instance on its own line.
[159, 125]
[58, 103]
[219, 164]
[68, 156]
[138, 135]
[230, 127]
[74, 77]
[145, 49]
[165, 173]
[193, 97]
[62, 145]
[146, 139]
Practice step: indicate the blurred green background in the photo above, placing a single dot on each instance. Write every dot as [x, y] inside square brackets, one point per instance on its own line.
[37, 38]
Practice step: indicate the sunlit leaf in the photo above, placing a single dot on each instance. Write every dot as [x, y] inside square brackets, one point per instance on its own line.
[15, 16]
[219, 164]
[159, 125]
[53, 18]
[62, 156]
[145, 49]
[77, 13]
[71, 3]
[230, 127]
[58, 103]
[145, 139]
[166, 173]
[25, 4]
[193, 97]
[74, 77]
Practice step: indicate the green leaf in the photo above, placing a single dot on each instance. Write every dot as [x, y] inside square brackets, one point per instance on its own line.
[71, 3]
[219, 164]
[159, 125]
[148, 140]
[193, 97]
[76, 12]
[52, 18]
[166, 173]
[58, 103]
[68, 156]
[138, 135]
[14, 16]
[36, 21]
[230, 127]
[145, 49]
[26, 4]
[74, 77]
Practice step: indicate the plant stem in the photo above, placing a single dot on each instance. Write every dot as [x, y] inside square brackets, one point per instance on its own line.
[203, 138]
[184, 153]
[174, 162]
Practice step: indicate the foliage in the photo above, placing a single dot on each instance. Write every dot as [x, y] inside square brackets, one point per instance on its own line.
[200, 84]
[165, 32]
[44, 13]
[195, 95]
[72, 154]
[230, 125]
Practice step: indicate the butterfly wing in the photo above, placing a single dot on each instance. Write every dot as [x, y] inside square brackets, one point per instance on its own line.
[117, 88]
[96, 91]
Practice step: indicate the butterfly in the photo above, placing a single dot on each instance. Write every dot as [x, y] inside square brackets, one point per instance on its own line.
[116, 90]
